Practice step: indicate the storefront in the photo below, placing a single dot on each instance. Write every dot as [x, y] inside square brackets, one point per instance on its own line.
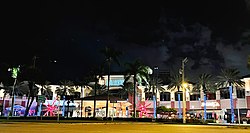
[116, 107]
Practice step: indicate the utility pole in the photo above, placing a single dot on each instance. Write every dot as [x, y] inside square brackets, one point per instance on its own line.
[184, 90]
[107, 101]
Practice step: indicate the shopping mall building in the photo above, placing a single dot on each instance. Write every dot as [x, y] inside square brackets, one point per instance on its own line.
[82, 106]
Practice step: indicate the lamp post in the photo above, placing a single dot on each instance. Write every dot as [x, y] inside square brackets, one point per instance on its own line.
[214, 105]
[238, 110]
[184, 85]
[58, 114]
[14, 72]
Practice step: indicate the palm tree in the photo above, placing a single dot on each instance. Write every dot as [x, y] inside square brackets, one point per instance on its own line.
[155, 85]
[230, 77]
[7, 90]
[21, 88]
[98, 74]
[204, 83]
[66, 87]
[127, 89]
[46, 89]
[176, 83]
[111, 55]
[88, 83]
[6, 82]
[140, 73]
[32, 75]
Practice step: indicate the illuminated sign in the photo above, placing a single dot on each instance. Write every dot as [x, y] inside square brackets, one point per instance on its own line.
[212, 104]
[115, 82]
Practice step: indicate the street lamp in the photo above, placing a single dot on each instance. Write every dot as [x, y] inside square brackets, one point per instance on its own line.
[14, 72]
[184, 85]
[58, 107]
[214, 105]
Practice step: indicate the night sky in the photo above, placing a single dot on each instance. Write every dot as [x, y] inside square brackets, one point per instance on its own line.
[161, 33]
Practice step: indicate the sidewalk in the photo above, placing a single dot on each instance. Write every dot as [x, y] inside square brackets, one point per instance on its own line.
[228, 124]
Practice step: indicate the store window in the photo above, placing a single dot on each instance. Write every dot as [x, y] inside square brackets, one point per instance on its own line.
[165, 96]
[211, 96]
[240, 92]
[224, 93]
[194, 97]
[176, 95]
[149, 95]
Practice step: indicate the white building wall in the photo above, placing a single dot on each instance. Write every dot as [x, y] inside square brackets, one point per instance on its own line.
[1, 94]
[195, 104]
[241, 103]
[167, 104]
[225, 103]
[247, 83]
[176, 104]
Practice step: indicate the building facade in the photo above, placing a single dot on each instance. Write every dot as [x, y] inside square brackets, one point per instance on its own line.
[217, 103]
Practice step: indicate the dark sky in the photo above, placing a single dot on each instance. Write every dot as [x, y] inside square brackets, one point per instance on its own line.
[161, 33]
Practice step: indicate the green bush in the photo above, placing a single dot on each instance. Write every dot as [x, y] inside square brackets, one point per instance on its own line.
[164, 110]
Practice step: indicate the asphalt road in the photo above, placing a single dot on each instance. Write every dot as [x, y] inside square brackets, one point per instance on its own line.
[113, 128]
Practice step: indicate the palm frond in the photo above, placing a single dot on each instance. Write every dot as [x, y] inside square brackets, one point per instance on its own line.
[205, 83]
[175, 82]
[229, 76]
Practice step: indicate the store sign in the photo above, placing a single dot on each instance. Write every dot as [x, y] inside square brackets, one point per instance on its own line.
[248, 114]
[211, 104]
[113, 101]
[115, 82]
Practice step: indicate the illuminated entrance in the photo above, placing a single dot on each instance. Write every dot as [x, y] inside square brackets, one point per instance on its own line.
[119, 108]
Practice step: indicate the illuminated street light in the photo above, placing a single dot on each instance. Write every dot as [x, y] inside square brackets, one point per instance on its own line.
[184, 85]
[14, 71]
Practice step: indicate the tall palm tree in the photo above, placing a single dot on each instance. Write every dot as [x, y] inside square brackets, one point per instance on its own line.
[204, 83]
[155, 85]
[46, 89]
[6, 82]
[127, 89]
[111, 55]
[94, 76]
[7, 90]
[140, 73]
[66, 87]
[176, 83]
[230, 77]
[31, 74]
[98, 74]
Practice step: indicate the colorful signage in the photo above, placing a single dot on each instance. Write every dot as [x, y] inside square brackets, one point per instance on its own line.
[115, 82]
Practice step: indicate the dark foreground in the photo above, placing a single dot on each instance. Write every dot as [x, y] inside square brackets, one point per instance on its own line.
[129, 127]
